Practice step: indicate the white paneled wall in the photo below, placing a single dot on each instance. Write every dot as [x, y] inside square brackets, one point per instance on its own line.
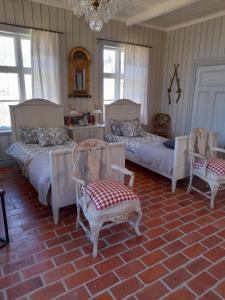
[77, 33]
[186, 46]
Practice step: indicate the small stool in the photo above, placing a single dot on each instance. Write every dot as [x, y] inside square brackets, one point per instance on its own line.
[3, 240]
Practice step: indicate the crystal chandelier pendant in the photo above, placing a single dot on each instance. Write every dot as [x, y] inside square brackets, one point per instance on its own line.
[96, 23]
[96, 12]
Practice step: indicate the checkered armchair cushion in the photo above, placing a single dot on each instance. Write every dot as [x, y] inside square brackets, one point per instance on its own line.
[215, 165]
[107, 193]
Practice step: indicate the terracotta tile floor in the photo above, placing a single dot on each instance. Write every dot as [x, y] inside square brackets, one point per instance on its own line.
[180, 255]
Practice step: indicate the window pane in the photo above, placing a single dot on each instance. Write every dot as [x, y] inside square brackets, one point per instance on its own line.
[9, 86]
[122, 62]
[7, 51]
[26, 52]
[109, 61]
[28, 85]
[121, 88]
[109, 89]
[5, 115]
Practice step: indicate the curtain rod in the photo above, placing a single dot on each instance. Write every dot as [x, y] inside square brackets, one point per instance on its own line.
[26, 27]
[120, 42]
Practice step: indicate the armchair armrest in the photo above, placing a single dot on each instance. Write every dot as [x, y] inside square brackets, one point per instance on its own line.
[78, 180]
[193, 155]
[216, 149]
[80, 185]
[125, 171]
[197, 155]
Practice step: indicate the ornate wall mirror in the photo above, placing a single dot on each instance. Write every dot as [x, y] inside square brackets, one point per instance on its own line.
[79, 72]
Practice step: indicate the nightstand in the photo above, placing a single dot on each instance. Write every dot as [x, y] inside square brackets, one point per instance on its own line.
[80, 133]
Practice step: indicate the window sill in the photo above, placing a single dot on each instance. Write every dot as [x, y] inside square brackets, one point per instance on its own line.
[5, 132]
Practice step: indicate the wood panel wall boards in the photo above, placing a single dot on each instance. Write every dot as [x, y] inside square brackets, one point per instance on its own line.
[186, 46]
[77, 33]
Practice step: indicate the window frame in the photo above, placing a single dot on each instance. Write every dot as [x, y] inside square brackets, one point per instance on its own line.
[119, 48]
[19, 68]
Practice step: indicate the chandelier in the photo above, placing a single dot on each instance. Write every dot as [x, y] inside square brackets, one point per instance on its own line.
[96, 12]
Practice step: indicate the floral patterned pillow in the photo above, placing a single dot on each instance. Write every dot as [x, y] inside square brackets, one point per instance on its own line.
[131, 128]
[46, 137]
[115, 127]
[61, 138]
[52, 136]
[30, 135]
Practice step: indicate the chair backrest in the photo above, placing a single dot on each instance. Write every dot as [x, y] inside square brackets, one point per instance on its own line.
[201, 141]
[162, 124]
[91, 160]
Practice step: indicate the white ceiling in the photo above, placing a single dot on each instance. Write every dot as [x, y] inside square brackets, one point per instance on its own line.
[162, 14]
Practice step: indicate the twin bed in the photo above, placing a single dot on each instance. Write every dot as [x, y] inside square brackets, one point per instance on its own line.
[149, 150]
[49, 169]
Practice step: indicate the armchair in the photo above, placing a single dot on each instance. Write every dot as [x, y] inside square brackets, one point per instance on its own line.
[100, 192]
[209, 168]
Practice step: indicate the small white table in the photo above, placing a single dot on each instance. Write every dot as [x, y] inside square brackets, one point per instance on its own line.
[80, 133]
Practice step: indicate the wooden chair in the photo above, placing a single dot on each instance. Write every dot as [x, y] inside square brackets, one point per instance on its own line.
[100, 192]
[204, 163]
[162, 125]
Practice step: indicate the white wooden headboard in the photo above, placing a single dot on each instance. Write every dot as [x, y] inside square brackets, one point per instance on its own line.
[35, 113]
[120, 110]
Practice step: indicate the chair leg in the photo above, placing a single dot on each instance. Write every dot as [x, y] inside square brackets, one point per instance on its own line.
[78, 216]
[137, 222]
[214, 189]
[190, 184]
[95, 229]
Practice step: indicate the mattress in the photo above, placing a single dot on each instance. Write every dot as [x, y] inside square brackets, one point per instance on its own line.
[35, 163]
[148, 149]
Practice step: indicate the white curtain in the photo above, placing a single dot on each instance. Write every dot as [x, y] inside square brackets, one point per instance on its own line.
[136, 77]
[45, 66]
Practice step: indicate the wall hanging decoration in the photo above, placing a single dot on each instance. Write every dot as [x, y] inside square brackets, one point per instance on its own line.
[79, 73]
[179, 90]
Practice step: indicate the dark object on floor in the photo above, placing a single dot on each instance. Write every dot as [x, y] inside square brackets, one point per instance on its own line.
[3, 240]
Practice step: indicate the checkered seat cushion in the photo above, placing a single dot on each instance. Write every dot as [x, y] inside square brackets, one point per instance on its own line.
[106, 193]
[215, 165]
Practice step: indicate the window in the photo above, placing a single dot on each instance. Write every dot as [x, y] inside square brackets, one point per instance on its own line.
[15, 73]
[113, 73]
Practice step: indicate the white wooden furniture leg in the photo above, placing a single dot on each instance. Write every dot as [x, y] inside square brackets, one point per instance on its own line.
[137, 223]
[214, 189]
[95, 229]
[55, 211]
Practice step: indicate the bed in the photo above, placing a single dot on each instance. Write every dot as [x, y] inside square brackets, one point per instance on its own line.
[148, 151]
[49, 169]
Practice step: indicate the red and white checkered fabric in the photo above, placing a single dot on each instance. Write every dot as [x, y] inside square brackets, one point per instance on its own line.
[215, 165]
[106, 193]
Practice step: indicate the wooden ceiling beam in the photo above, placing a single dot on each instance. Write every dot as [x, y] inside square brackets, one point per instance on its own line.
[54, 3]
[159, 10]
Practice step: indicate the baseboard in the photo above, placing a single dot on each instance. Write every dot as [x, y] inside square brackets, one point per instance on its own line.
[7, 163]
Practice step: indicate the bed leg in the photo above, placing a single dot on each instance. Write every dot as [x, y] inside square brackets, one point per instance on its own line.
[55, 212]
[174, 184]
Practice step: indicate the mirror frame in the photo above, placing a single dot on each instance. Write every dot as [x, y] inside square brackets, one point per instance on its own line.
[73, 63]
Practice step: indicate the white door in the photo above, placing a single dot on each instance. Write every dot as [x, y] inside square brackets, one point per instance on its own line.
[209, 100]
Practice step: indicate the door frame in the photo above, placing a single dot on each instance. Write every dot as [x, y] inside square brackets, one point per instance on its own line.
[196, 64]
